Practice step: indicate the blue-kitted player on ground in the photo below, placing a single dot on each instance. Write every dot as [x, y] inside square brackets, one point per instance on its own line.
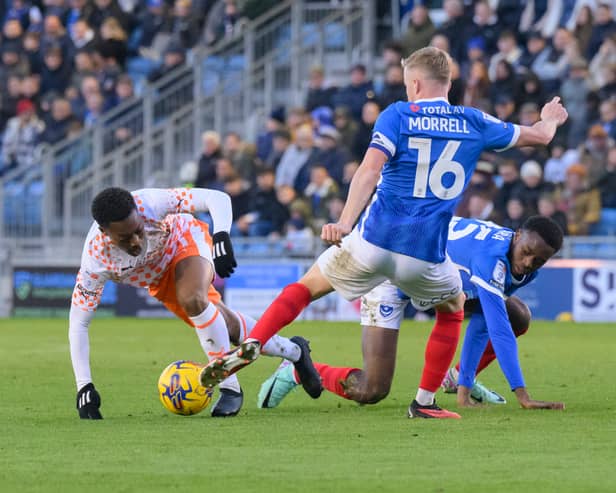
[494, 262]
[420, 159]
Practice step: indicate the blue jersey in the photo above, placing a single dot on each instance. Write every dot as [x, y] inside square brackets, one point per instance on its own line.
[479, 249]
[432, 149]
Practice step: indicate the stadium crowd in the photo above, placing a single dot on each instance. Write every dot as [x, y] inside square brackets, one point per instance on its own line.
[65, 62]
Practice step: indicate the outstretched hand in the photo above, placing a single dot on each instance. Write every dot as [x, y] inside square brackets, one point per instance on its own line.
[527, 403]
[554, 111]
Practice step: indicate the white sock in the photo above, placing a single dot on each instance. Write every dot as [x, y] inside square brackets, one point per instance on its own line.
[454, 373]
[214, 338]
[424, 397]
[277, 346]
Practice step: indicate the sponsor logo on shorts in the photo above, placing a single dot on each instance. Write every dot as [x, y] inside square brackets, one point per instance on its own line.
[436, 300]
[386, 310]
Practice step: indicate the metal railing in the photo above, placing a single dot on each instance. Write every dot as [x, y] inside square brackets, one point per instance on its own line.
[230, 86]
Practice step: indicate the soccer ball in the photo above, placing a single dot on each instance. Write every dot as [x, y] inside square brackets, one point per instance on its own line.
[180, 389]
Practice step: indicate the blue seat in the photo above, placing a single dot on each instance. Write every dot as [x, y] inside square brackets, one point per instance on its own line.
[606, 225]
[335, 36]
[584, 250]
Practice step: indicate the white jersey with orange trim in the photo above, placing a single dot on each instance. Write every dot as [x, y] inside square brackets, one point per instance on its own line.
[166, 216]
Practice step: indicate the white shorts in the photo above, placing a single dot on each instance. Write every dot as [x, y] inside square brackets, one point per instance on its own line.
[357, 267]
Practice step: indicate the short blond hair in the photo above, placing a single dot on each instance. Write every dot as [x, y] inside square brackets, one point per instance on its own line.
[433, 61]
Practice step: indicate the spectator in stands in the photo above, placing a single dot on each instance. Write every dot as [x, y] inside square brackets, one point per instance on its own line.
[348, 173]
[393, 87]
[207, 162]
[370, 112]
[547, 207]
[224, 173]
[54, 34]
[112, 44]
[607, 181]
[58, 121]
[224, 21]
[504, 82]
[551, 64]
[420, 30]
[533, 185]
[485, 25]
[83, 36]
[456, 28]
[475, 52]
[334, 209]
[13, 63]
[80, 10]
[301, 152]
[593, 153]
[392, 53]
[280, 143]
[185, 26]
[318, 94]
[296, 118]
[528, 115]
[574, 93]
[582, 30]
[477, 89]
[56, 71]
[346, 126]
[356, 93]
[299, 235]
[511, 185]
[320, 189]
[516, 213]
[94, 109]
[23, 11]
[581, 205]
[604, 26]
[607, 112]
[530, 90]
[241, 154]
[331, 153]
[441, 42]
[601, 72]
[265, 139]
[20, 137]
[504, 108]
[536, 46]
[481, 183]
[480, 206]
[555, 169]
[508, 51]
[12, 32]
[8, 100]
[32, 51]
[174, 56]
[267, 215]
[241, 193]
[84, 67]
[109, 8]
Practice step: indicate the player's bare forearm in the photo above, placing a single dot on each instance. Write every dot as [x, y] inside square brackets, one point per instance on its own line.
[363, 183]
[527, 403]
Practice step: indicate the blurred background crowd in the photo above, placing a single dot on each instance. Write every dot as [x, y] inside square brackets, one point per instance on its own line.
[66, 62]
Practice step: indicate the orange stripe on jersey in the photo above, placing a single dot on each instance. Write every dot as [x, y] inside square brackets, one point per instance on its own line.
[209, 322]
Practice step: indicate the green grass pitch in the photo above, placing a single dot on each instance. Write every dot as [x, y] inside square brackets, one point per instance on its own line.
[323, 445]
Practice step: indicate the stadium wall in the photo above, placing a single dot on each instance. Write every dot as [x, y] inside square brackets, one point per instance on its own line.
[582, 290]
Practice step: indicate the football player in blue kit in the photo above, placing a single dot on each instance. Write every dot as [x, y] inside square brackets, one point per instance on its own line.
[493, 262]
[420, 159]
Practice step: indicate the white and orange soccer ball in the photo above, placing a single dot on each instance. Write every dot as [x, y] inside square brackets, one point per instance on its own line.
[180, 389]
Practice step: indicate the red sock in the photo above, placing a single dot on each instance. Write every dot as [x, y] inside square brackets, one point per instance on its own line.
[489, 355]
[441, 349]
[283, 310]
[332, 377]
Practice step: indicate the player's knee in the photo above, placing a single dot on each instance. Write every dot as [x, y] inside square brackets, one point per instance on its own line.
[519, 315]
[373, 394]
[193, 303]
